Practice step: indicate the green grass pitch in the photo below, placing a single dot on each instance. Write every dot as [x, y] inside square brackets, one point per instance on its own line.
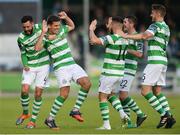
[10, 109]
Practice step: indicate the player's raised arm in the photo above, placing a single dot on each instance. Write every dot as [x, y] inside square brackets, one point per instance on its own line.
[93, 39]
[146, 35]
[62, 15]
[39, 43]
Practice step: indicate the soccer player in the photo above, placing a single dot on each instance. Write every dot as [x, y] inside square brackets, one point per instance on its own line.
[65, 68]
[36, 69]
[154, 74]
[113, 68]
[135, 51]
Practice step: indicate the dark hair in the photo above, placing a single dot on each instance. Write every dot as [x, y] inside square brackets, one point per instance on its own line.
[52, 18]
[132, 19]
[160, 8]
[117, 19]
[26, 18]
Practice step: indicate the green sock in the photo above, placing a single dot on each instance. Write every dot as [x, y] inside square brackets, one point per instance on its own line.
[115, 103]
[154, 102]
[133, 106]
[126, 108]
[82, 94]
[35, 110]
[163, 101]
[25, 103]
[58, 102]
[104, 110]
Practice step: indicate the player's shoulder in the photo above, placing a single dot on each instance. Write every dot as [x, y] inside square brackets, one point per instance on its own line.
[21, 36]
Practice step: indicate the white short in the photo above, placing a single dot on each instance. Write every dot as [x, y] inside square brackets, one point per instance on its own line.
[126, 83]
[108, 84]
[38, 75]
[70, 73]
[154, 74]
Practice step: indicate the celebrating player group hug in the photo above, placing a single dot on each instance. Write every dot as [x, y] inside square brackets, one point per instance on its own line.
[42, 44]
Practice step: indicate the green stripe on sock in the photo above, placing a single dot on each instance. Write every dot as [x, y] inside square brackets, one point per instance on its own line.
[82, 95]
[104, 110]
[157, 106]
[54, 110]
[36, 108]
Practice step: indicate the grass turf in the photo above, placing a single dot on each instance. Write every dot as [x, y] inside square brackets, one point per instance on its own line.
[10, 109]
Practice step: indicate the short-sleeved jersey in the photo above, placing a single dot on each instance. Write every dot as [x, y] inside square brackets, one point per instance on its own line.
[27, 43]
[115, 51]
[157, 45]
[59, 49]
[131, 61]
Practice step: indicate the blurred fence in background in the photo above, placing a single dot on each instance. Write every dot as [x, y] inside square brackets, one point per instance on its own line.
[90, 57]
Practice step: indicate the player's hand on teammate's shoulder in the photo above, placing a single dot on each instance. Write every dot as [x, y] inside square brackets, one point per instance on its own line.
[62, 15]
[44, 27]
[93, 25]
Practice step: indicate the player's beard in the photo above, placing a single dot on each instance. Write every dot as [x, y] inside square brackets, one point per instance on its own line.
[28, 32]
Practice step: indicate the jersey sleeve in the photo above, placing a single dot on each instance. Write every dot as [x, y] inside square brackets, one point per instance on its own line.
[24, 58]
[107, 40]
[152, 28]
[140, 46]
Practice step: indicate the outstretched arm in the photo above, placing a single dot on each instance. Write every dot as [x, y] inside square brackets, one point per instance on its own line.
[146, 35]
[93, 39]
[39, 43]
[62, 15]
[135, 53]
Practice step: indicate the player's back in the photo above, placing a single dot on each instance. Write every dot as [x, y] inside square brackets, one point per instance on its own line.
[158, 44]
[114, 56]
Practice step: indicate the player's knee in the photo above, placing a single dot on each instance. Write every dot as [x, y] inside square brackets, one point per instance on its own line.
[64, 92]
[143, 93]
[85, 84]
[25, 89]
[121, 97]
[38, 94]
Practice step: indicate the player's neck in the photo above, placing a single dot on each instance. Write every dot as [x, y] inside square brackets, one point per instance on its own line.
[131, 31]
[160, 19]
[117, 31]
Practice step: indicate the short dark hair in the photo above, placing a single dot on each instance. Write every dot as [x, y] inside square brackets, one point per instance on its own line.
[160, 8]
[117, 19]
[52, 18]
[26, 18]
[132, 19]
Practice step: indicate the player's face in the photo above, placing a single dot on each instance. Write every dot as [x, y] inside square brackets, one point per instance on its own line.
[126, 24]
[154, 15]
[28, 27]
[109, 24]
[54, 27]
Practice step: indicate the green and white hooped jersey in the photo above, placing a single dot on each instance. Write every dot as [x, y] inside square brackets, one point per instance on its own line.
[26, 44]
[59, 49]
[131, 61]
[116, 49]
[157, 45]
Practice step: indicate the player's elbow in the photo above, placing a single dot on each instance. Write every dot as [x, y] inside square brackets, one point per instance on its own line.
[140, 55]
[72, 27]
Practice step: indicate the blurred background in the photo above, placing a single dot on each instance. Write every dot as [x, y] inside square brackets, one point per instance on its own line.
[89, 57]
